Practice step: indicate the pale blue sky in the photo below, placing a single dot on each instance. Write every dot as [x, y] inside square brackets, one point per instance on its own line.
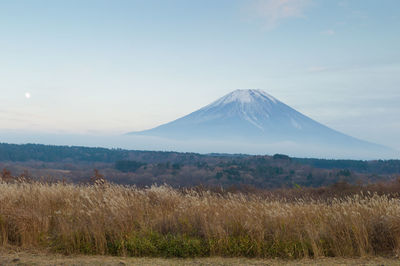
[110, 67]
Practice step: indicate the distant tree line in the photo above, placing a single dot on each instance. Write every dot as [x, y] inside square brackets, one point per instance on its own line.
[375, 166]
[145, 168]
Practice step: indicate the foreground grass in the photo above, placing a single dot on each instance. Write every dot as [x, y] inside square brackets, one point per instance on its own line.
[163, 222]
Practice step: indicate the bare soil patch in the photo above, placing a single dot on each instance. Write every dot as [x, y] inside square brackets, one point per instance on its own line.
[42, 258]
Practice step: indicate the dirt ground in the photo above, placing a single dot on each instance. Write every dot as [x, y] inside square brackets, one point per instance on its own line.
[33, 258]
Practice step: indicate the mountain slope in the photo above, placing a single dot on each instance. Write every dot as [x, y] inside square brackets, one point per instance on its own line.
[253, 116]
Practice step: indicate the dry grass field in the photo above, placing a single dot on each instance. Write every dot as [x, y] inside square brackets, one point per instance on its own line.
[162, 222]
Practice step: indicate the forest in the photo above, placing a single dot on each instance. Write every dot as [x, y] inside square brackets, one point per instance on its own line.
[145, 168]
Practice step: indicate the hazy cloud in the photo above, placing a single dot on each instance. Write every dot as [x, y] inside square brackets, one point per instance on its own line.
[359, 14]
[343, 4]
[275, 11]
[329, 32]
[314, 69]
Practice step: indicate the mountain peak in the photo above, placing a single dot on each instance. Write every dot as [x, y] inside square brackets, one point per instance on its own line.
[245, 96]
[254, 117]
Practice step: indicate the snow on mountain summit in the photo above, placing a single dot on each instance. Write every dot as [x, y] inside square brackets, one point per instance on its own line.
[253, 106]
[244, 96]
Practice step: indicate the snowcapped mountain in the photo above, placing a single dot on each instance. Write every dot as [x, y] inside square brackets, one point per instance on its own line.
[257, 118]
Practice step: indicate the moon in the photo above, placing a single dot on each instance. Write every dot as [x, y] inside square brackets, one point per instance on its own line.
[27, 95]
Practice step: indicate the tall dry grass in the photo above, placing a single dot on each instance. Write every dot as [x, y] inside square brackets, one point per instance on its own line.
[161, 221]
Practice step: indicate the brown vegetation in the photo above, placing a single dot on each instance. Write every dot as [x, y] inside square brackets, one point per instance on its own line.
[162, 221]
